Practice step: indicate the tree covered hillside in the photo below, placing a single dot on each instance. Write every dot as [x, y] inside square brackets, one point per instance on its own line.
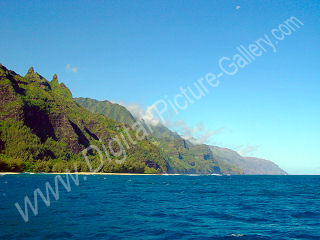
[182, 155]
[112, 110]
[43, 129]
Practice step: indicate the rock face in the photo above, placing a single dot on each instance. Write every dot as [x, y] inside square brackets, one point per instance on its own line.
[249, 165]
[42, 113]
[114, 111]
[183, 156]
[262, 166]
[42, 128]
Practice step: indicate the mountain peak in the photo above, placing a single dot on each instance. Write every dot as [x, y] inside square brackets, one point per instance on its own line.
[55, 79]
[31, 70]
[34, 76]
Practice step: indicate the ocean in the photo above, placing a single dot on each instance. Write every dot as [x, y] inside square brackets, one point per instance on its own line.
[161, 207]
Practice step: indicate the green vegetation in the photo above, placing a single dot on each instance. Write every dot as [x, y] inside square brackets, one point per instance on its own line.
[185, 157]
[42, 129]
[247, 164]
[111, 110]
[181, 155]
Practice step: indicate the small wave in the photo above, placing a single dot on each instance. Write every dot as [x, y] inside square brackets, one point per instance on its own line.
[229, 217]
[158, 214]
[90, 215]
[269, 193]
[237, 235]
[305, 236]
[101, 235]
[306, 214]
[241, 236]
[59, 235]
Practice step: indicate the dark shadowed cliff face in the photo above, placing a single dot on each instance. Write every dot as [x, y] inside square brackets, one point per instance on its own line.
[43, 129]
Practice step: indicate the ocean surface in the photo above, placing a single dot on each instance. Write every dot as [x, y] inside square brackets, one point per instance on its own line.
[163, 207]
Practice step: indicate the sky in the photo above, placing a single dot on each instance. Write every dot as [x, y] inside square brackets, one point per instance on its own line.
[139, 52]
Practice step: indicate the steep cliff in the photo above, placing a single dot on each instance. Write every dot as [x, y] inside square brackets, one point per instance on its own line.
[182, 155]
[43, 129]
[249, 165]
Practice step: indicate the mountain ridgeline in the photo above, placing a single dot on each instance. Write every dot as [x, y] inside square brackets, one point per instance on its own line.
[44, 129]
[185, 157]
[249, 165]
[182, 155]
[111, 110]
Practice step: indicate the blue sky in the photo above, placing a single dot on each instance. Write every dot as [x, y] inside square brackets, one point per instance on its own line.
[140, 51]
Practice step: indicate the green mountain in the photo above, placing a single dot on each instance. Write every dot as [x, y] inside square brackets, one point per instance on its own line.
[249, 165]
[43, 129]
[256, 166]
[182, 155]
[185, 157]
[114, 111]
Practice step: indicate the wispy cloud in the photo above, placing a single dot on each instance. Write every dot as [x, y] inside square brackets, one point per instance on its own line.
[246, 150]
[70, 68]
[140, 113]
[198, 134]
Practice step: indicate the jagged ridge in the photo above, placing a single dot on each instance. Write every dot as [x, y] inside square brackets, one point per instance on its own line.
[185, 157]
[43, 129]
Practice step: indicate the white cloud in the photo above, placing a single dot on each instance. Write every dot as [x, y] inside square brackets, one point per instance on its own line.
[70, 68]
[245, 150]
[142, 114]
[198, 134]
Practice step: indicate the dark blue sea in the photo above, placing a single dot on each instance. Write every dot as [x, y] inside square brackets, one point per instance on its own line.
[163, 207]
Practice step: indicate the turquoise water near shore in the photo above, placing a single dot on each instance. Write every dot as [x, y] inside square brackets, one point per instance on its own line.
[164, 207]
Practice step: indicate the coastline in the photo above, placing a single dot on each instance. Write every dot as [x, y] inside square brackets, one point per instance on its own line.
[102, 173]
[5, 173]
[141, 174]
[82, 173]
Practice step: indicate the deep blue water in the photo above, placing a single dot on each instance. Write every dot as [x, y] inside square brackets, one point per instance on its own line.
[165, 207]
